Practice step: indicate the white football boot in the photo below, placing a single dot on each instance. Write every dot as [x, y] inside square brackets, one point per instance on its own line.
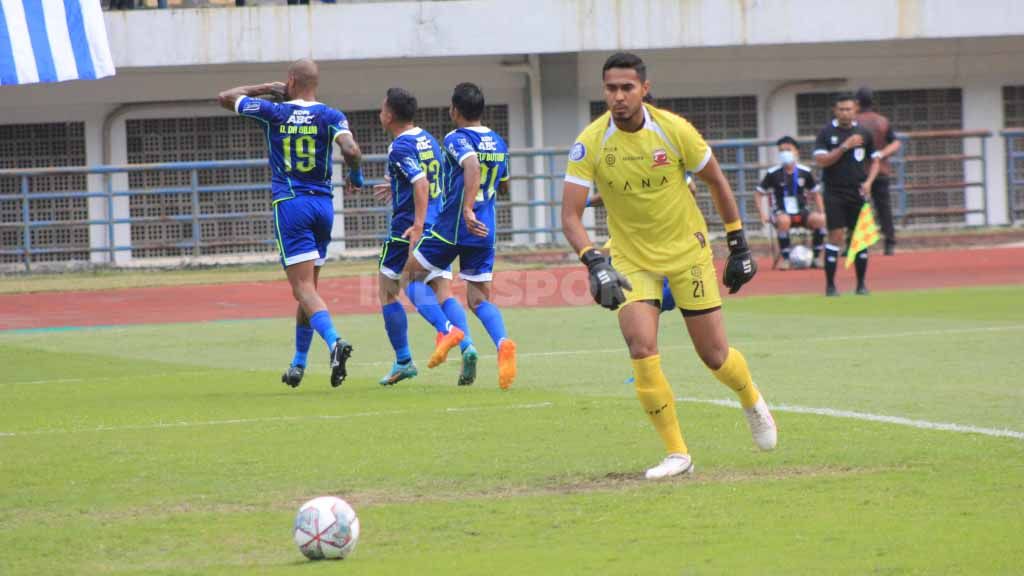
[672, 465]
[762, 425]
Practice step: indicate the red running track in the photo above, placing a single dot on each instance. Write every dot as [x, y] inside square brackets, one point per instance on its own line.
[566, 286]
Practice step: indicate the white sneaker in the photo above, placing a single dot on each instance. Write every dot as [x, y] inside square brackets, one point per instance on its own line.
[672, 465]
[762, 425]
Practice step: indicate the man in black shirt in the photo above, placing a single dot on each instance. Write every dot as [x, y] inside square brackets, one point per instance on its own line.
[787, 187]
[887, 145]
[847, 154]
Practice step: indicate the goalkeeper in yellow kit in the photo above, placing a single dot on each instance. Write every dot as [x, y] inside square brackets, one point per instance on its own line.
[636, 156]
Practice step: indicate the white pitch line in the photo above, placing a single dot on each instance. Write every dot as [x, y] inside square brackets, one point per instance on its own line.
[51, 381]
[176, 373]
[583, 352]
[868, 417]
[910, 334]
[489, 407]
[201, 423]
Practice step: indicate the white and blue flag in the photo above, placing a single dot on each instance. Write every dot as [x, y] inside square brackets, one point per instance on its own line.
[52, 40]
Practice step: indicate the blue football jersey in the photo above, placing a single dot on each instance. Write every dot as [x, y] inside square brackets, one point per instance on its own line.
[492, 153]
[414, 155]
[300, 135]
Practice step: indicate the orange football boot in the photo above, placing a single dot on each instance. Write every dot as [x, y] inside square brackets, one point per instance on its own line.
[444, 344]
[506, 363]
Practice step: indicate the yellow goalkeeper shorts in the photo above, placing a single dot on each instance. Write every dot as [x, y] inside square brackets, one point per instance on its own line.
[694, 284]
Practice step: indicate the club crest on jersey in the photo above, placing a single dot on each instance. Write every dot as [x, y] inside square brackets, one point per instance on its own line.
[835, 139]
[858, 154]
[577, 152]
[660, 158]
[700, 238]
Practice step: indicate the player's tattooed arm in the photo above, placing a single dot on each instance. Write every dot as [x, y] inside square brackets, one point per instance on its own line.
[273, 90]
[353, 156]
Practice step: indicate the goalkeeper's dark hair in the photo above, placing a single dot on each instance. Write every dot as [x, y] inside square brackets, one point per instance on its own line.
[402, 104]
[468, 99]
[787, 140]
[626, 60]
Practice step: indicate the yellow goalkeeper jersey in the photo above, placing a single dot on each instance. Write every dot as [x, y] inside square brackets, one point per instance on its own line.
[641, 176]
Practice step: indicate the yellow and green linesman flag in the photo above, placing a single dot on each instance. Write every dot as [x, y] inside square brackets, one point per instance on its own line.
[864, 234]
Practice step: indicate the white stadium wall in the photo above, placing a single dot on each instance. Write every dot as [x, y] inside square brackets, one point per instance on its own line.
[358, 31]
[542, 59]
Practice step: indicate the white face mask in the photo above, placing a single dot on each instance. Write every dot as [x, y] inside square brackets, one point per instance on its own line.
[787, 157]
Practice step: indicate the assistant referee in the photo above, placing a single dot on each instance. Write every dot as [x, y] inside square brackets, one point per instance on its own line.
[846, 152]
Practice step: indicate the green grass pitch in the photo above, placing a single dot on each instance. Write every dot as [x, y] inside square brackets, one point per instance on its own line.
[174, 449]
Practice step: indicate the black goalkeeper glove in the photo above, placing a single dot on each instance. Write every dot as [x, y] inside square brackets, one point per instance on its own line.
[741, 267]
[606, 283]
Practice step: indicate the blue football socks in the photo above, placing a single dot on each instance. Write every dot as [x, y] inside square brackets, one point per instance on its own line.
[457, 315]
[397, 326]
[321, 322]
[425, 301]
[490, 317]
[303, 340]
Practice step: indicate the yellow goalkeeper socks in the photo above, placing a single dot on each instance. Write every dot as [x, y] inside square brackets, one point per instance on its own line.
[735, 374]
[656, 397]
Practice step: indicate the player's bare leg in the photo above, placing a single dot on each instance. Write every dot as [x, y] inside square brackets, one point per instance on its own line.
[707, 331]
[303, 339]
[478, 296]
[303, 280]
[423, 297]
[638, 322]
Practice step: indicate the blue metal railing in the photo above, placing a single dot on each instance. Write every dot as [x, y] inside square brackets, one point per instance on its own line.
[537, 190]
[1014, 174]
[912, 186]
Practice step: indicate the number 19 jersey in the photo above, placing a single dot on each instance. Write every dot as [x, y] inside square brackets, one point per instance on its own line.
[299, 139]
[492, 153]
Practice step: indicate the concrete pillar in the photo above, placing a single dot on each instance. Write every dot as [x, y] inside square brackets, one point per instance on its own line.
[983, 110]
[99, 235]
[119, 183]
[562, 112]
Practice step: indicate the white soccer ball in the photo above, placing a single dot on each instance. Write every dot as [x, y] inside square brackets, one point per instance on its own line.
[800, 257]
[326, 528]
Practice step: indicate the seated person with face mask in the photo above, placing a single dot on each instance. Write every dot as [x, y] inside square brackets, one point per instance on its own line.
[787, 187]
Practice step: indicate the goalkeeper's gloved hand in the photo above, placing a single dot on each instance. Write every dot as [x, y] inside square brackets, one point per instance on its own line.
[606, 283]
[741, 267]
[355, 177]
